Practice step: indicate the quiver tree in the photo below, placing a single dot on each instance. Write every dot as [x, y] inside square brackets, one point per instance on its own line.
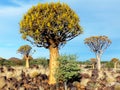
[98, 44]
[93, 61]
[25, 51]
[50, 25]
[115, 61]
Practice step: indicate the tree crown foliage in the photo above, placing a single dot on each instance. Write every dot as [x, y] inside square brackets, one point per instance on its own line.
[114, 60]
[98, 43]
[50, 24]
[25, 50]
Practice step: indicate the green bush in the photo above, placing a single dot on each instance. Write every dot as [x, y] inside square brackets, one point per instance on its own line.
[2, 62]
[8, 63]
[109, 65]
[40, 61]
[68, 67]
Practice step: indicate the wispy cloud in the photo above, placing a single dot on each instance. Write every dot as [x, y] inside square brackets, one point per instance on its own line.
[8, 3]
[11, 11]
[8, 9]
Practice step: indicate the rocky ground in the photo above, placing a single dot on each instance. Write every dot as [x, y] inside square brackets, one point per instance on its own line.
[106, 79]
[36, 78]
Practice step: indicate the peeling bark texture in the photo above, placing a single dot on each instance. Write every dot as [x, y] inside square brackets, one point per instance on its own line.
[54, 53]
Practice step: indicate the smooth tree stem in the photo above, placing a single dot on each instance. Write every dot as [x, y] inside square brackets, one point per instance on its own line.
[98, 57]
[27, 62]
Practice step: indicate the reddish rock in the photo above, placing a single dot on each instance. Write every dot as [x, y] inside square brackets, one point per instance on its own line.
[85, 75]
[118, 79]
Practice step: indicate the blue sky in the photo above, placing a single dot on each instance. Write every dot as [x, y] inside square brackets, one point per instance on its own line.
[97, 17]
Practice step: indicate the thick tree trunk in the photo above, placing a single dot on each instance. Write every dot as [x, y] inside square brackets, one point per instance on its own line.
[98, 61]
[54, 53]
[27, 61]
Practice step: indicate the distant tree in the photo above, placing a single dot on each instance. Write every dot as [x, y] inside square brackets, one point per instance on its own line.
[93, 61]
[115, 61]
[25, 51]
[98, 44]
[50, 25]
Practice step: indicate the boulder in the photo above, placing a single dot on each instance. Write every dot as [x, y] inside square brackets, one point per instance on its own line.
[118, 79]
[117, 87]
[2, 82]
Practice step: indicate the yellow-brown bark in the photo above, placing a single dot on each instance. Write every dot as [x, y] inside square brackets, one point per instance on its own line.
[54, 53]
[27, 61]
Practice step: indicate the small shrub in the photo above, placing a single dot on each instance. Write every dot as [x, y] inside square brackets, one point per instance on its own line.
[2, 62]
[9, 63]
[34, 74]
[40, 61]
[109, 65]
[68, 67]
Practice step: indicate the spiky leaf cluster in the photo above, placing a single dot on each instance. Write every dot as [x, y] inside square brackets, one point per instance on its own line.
[98, 43]
[50, 24]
